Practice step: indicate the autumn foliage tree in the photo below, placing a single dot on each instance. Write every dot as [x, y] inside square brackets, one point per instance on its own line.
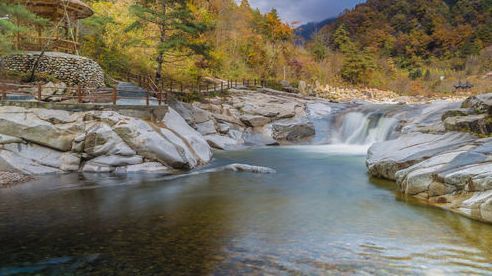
[178, 31]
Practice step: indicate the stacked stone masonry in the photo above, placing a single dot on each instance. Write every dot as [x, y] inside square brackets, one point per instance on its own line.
[71, 69]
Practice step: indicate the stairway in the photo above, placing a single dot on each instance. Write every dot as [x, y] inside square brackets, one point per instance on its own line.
[128, 90]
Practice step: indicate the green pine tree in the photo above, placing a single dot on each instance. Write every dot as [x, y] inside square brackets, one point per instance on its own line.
[178, 29]
[15, 20]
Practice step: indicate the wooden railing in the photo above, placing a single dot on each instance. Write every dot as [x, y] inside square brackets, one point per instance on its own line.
[160, 93]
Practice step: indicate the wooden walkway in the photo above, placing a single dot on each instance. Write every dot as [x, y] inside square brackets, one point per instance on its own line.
[136, 91]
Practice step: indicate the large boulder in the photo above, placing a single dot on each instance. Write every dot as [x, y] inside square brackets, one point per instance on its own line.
[192, 139]
[386, 158]
[481, 103]
[292, 130]
[221, 142]
[34, 159]
[23, 123]
[452, 171]
[153, 145]
[254, 120]
[39, 141]
[480, 124]
[100, 139]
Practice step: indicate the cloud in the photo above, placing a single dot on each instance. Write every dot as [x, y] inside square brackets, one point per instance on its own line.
[305, 10]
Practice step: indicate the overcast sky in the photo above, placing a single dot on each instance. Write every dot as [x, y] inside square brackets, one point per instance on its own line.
[305, 10]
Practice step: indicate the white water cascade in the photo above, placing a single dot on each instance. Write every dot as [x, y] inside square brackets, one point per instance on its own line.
[358, 128]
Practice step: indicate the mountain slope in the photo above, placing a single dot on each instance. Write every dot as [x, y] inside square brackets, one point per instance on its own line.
[307, 31]
[418, 30]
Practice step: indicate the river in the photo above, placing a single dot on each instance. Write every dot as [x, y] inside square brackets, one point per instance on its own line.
[319, 214]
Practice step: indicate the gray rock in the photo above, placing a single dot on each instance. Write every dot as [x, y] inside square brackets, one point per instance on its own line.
[221, 142]
[144, 168]
[254, 120]
[293, 130]
[386, 158]
[480, 124]
[22, 123]
[206, 128]
[481, 103]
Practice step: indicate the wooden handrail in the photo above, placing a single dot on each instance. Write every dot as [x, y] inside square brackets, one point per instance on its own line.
[110, 95]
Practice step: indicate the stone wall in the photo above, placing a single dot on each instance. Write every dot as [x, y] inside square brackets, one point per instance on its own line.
[70, 69]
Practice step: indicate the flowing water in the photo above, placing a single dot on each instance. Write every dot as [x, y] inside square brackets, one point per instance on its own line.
[319, 214]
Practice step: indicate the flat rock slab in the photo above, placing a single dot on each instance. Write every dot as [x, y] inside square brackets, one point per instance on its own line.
[386, 158]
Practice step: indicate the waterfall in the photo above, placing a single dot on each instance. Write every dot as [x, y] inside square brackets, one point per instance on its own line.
[364, 125]
[358, 128]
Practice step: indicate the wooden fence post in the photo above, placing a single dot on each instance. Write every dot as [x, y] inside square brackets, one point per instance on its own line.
[40, 90]
[115, 96]
[79, 93]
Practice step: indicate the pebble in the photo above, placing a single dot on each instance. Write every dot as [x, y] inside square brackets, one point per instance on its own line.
[9, 178]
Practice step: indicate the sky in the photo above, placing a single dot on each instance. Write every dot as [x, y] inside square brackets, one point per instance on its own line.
[305, 10]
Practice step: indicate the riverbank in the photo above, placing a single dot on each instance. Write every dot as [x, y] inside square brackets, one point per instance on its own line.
[421, 138]
[451, 168]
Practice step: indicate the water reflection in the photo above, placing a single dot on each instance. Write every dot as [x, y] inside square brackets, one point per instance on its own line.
[319, 214]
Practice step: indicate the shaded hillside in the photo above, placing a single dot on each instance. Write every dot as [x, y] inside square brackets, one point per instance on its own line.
[418, 30]
[307, 31]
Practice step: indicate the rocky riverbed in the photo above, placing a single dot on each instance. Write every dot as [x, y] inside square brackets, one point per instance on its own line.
[247, 117]
[449, 167]
[439, 152]
[46, 141]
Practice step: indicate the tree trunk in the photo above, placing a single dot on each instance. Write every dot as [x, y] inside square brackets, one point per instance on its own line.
[162, 39]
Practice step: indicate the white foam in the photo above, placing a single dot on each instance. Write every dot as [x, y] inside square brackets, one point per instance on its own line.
[335, 149]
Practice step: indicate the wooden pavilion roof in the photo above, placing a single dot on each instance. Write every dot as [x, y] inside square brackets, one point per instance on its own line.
[55, 9]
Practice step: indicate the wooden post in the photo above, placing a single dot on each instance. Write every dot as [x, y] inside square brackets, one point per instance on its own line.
[221, 87]
[40, 90]
[115, 96]
[79, 93]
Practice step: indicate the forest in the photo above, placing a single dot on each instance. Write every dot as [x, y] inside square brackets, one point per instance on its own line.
[410, 47]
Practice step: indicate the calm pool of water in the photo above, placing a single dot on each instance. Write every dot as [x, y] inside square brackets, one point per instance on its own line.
[320, 214]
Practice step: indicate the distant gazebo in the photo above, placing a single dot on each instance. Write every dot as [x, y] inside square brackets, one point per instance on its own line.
[62, 32]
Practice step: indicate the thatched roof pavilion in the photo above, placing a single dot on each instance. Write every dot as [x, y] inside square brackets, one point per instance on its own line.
[55, 9]
[62, 33]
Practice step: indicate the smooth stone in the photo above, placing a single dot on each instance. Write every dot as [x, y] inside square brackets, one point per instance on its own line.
[254, 120]
[145, 168]
[206, 128]
[221, 142]
[292, 130]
